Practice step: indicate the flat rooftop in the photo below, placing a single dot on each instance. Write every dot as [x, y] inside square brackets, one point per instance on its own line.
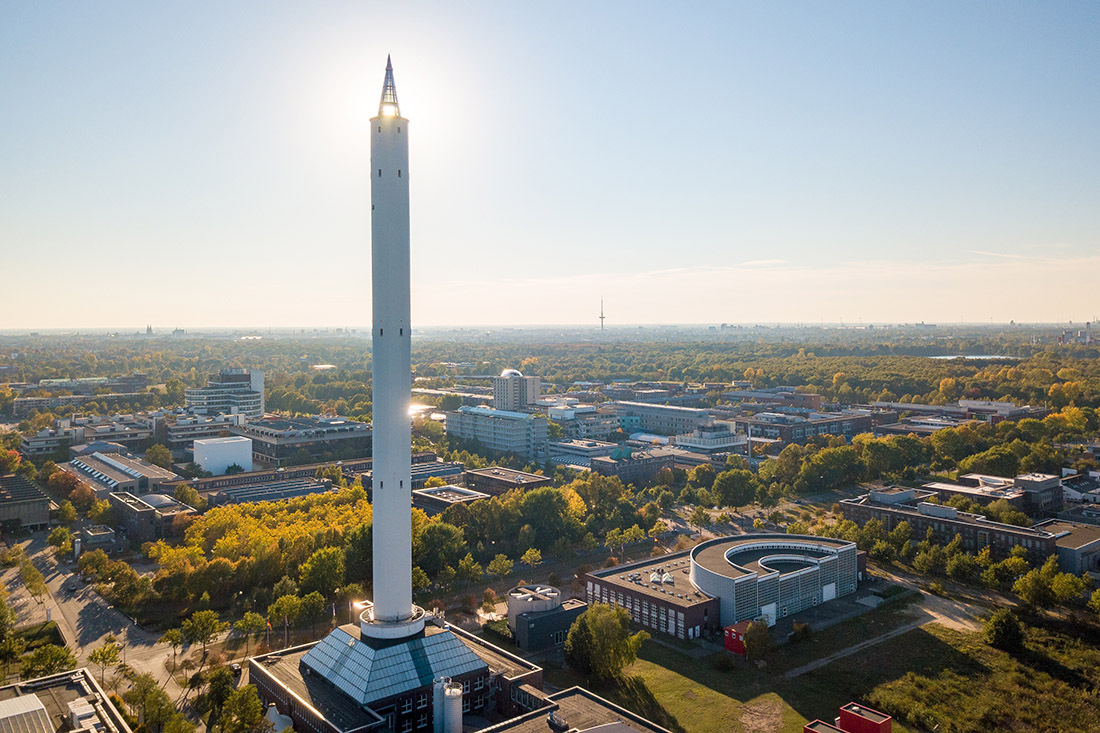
[637, 578]
[506, 474]
[989, 492]
[1071, 535]
[14, 488]
[734, 557]
[58, 690]
[867, 713]
[580, 710]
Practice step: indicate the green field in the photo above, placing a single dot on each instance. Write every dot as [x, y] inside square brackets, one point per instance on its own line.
[925, 677]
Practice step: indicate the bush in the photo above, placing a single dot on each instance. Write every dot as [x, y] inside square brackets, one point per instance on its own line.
[800, 631]
[1003, 631]
[936, 588]
[722, 662]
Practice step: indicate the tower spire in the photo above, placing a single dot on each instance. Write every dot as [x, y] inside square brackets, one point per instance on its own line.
[387, 106]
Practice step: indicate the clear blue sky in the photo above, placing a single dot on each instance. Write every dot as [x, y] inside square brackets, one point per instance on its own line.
[205, 163]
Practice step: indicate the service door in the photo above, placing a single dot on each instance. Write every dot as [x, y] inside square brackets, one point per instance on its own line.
[828, 592]
[768, 612]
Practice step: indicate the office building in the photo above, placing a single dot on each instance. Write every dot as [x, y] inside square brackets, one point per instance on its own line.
[150, 517]
[496, 480]
[231, 391]
[659, 419]
[1042, 492]
[1077, 545]
[801, 427]
[896, 504]
[713, 437]
[270, 491]
[110, 472]
[282, 441]
[22, 504]
[502, 431]
[181, 430]
[515, 392]
[438, 499]
[579, 453]
[632, 466]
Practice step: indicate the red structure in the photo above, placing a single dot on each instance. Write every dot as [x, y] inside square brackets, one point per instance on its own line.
[820, 726]
[861, 719]
[735, 637]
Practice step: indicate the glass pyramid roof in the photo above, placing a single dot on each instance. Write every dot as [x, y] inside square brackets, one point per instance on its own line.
[367, 675]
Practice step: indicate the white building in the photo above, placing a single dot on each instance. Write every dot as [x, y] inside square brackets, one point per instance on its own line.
[503, 431]
[715, 437]
[232, 391]
[513, 391]
[579, 453]
[218, 454]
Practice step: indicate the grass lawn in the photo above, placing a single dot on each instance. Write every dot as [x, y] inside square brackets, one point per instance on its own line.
[926, 677]
[37, 635]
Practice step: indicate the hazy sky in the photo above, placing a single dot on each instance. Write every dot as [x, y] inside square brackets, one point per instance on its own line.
[206, 163]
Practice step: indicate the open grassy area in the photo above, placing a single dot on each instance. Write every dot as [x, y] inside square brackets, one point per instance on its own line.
[927, 677]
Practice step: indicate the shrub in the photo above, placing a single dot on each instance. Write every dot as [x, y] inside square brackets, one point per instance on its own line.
[800, 631]
[1003, 631]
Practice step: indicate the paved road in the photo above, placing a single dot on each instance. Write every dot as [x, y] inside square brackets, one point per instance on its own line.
[84, 617]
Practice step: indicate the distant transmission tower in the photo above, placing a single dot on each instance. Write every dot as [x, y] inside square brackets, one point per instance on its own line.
[601, 314]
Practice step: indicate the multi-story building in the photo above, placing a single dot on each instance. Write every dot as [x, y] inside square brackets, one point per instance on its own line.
[1042, 492]
[985, 410]
[799, 428]
[496, 480]
[66, 701]
[25, 405]
[107, 473]
[279, 441]
[632, 467]
[713, 437]
[896, 504]
[584, 422]
[181, 431]
[219, 455]
[439, 499]
[150, 517]
[579, 453]
[659, 419]
[1077, 545]
[22, 504]
[786, 396]
[728, 579]
[515, 392]
[232, 391]
[135, 431]
[503, 431]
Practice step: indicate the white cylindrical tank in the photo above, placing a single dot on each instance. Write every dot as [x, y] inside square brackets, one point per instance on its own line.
[530, 599]
[438, 708]
[452, 703]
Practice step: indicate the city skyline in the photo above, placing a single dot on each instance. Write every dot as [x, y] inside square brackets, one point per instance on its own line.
[738, 164]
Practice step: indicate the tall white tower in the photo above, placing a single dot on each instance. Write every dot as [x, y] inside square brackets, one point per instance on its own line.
[393, 614]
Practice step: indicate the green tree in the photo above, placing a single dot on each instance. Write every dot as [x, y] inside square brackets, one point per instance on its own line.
[174, 639]
[736, 488]
[699, 518]
[47, 659]
[532, 557]
[469, 569]
[249, 625]
[758, 640]
[202, 628]
[438, 545]
[159, 455]
[107, 655]
[11, 649]
[285, 610]
[500, 566]
[599, 644]
[1003, 631]
[66, 512]
[243, 712]
[323, 571]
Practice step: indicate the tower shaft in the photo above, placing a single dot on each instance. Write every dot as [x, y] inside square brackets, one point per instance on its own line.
[392, 388]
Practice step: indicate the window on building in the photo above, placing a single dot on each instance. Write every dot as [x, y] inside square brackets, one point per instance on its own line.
[407, 705]
[406, 725]
[422, 700]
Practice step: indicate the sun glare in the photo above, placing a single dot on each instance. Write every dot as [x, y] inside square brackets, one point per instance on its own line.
[389, 110]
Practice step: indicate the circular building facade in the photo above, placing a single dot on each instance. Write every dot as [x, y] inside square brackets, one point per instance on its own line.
[771, 576]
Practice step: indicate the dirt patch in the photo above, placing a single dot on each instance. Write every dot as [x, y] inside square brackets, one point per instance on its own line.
[763, 715]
